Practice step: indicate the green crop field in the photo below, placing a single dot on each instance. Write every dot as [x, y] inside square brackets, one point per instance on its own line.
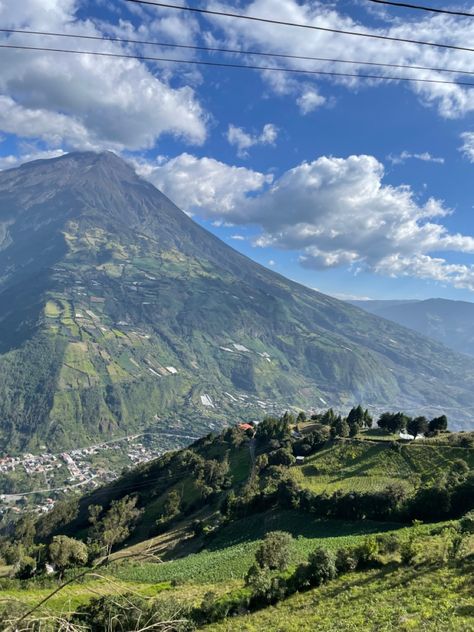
[370, 466]
[230, 554]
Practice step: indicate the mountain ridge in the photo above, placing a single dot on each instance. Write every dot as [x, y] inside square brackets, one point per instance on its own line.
[450, 322]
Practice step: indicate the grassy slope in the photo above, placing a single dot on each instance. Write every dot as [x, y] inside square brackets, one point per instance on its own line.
[403, 600]
[220, 567]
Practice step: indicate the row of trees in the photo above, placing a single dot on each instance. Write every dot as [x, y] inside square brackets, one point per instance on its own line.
[399, 422]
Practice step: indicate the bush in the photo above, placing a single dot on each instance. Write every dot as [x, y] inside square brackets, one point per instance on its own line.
[368, 552]
[116, 613]
[408, 552]
[466, 524]
[346, 560]
[26, 568]
[321, 566]
[11, 553]
[274, 551]
[215, 608]
[388, 543]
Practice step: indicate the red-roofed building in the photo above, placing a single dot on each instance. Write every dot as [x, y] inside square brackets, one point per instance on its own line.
[245, 427]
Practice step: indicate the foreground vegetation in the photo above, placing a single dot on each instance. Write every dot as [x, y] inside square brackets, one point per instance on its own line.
[240, 522]
[375, 600]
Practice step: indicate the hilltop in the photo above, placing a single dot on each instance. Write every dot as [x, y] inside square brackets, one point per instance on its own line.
[235, 523]
[119, 313]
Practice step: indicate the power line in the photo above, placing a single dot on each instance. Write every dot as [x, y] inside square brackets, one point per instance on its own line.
[406, 5]
[195, 62]
[212, 49]
[300, 25]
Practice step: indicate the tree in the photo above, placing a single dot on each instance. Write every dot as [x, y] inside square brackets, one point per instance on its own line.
[64, 553]
[301, 417]
[215, 472]
[328, 417]
[431, 503]
[466, 524]
[353, 430]
[438, 424]
[272, 428]
[340, 427]
[281, 457]
[116, 524]
[172, 505]
[416, 426]
[25, 530]
[26, 567]
[356, 416]
[393, 422]
[368, 421]
[274, 551]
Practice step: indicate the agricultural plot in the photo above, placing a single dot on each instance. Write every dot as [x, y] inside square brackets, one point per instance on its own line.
[230, 554]
[371, 466]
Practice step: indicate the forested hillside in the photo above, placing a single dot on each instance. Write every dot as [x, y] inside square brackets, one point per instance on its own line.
[288, 512]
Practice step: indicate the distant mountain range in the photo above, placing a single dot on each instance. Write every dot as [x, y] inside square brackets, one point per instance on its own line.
[449, 322]
[118, 313]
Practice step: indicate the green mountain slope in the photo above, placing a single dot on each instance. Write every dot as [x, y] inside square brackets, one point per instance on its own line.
[118, 312]
[448, 322]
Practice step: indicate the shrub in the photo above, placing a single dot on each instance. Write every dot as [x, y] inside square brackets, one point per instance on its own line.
[216, 608]
[274, 551]
[26, 568]
[388, 543]
[66, 553]
[466, 524]
[408, 552]
[368, 552]
[346, 560]
[131, 612]
[321, 566]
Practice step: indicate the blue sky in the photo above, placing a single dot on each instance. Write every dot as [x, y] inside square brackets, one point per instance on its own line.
[354, 188]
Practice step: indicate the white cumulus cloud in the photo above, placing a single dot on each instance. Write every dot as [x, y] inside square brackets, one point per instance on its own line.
[451, 101]
[309, 100]
[243, 140]
[83, 101]
[333, 211]
[203, 185]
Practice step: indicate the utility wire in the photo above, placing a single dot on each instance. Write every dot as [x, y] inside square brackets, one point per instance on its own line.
[236, 51]
[300, 25]
[406, 5]
[243, 66]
